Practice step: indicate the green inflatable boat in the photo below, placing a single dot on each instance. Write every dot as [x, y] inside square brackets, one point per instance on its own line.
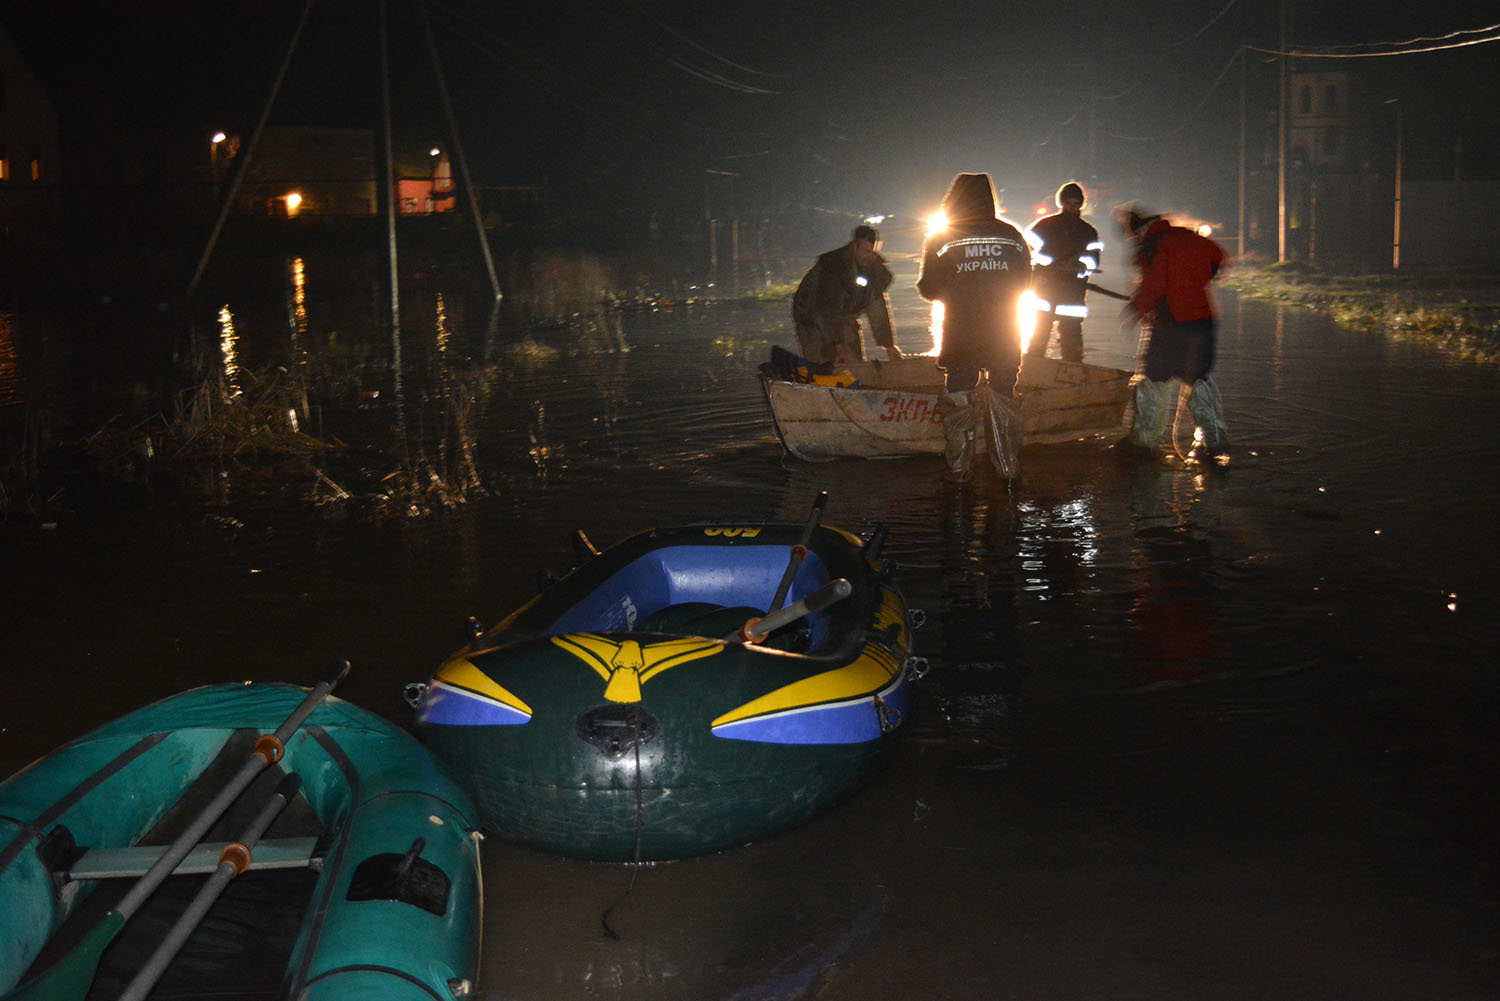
[688, 690]
[239, 841]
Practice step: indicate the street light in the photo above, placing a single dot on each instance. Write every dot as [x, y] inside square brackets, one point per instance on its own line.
[213, 151]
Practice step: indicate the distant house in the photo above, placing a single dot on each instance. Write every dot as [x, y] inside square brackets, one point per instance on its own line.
[424, 185]
[29, 144]
[1322, 134]
[334, 172]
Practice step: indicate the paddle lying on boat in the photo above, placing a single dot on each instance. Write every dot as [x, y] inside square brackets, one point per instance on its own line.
[233, 860]
[756, 629]
[71, 976]
[799, 551]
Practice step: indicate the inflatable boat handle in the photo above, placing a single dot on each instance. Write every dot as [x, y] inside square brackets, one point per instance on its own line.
[757, 629]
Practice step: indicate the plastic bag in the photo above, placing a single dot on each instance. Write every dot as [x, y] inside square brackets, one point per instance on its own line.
[957, 413]
[1000, 417]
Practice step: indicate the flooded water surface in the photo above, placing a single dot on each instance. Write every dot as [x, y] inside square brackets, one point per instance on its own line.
[1188, 733]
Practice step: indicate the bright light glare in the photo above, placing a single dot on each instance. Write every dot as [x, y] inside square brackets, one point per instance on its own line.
[935, 328]
[875, 220]
[1204, 229]
[937, 222]
[293, 203]
[434, 151]
[1026, 317]
[217, 138]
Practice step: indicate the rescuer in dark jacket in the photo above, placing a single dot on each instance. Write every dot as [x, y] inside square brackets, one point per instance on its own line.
[1066, 250]
[844, 283]
[977, 266]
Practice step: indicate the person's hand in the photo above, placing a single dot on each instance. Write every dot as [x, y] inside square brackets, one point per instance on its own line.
[893, 353]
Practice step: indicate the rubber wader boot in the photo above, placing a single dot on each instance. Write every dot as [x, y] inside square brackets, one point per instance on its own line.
[1204, 403]
[1154, 404]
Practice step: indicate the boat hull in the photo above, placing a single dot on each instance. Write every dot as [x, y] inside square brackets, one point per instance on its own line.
[893, 410]
[610, 719]
[372, 788]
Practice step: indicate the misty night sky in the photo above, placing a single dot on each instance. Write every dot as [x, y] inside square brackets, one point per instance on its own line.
[856, 107]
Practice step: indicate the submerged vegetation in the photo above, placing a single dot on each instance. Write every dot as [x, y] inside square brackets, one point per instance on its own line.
[1457, 310]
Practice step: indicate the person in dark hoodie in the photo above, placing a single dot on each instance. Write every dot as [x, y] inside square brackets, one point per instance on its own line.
[845, 283]
[978, 266]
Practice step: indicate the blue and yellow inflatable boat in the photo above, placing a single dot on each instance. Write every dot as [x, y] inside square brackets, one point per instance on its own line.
[648, 706]
[365, 884]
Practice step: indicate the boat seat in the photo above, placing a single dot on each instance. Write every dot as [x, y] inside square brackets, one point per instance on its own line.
[131, 863]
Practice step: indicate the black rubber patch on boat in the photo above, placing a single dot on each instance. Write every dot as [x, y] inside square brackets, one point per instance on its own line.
[407, 878]
[617, 730]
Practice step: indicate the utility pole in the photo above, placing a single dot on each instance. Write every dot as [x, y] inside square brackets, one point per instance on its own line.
[713, 229]
[1240, 245]
[1396, 229]
[1281, 127]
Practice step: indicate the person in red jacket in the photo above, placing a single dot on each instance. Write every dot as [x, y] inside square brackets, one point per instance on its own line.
[1172, 300]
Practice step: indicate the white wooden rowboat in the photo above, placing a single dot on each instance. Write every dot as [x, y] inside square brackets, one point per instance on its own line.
[892, 411]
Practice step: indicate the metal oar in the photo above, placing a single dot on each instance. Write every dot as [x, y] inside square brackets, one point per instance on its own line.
[1109, 292]
[70, 977]
[757, 629]
[233, 860]
[799, 551]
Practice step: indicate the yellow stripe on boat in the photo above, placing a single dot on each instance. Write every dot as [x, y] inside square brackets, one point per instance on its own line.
[892, 612]
[461, 674]
[872, 671]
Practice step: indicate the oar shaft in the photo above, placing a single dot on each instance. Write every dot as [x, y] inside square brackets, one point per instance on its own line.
[799, 551]
[233, 860]
[1109, 292]
[828, 594]
[267, 751]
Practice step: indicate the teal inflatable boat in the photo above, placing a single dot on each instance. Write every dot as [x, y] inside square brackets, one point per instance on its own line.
[239, 841]
[688, 690]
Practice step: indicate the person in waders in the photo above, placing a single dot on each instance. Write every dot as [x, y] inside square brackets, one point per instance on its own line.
[978, 266]
[1172, 301]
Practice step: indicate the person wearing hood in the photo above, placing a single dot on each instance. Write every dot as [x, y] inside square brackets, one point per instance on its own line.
[845, 283]
[1066, 250]
[978, 266]
[1171, 299]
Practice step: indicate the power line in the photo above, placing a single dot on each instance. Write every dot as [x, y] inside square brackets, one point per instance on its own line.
[1311, 54]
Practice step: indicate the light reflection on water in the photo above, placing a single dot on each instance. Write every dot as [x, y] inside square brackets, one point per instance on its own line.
[10, 362]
